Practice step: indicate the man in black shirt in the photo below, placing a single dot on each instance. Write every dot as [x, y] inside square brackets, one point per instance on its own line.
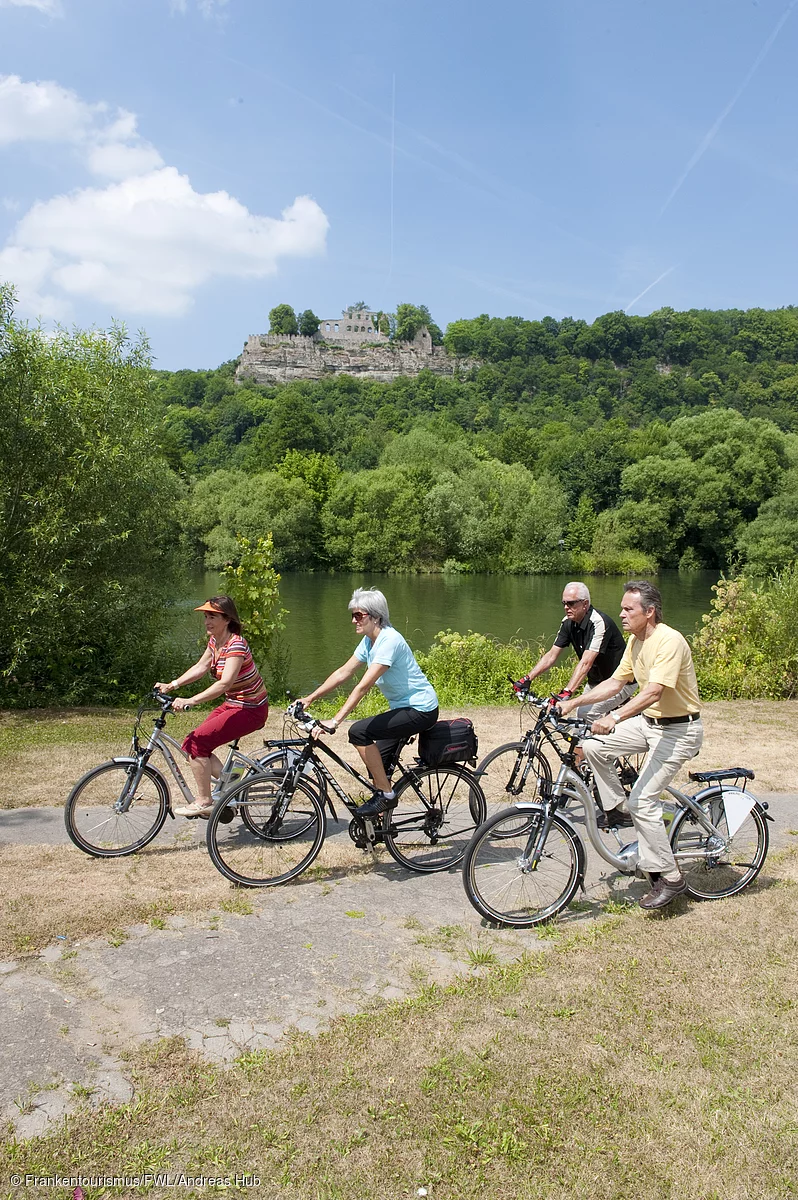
[599, 647]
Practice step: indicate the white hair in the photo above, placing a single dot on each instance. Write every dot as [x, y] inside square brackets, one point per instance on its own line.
[371, 601]
[583, 593]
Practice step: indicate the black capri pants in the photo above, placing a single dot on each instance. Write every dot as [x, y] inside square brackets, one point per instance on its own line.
[388, 729]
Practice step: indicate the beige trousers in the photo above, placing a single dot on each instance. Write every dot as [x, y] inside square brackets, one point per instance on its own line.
[666, 747]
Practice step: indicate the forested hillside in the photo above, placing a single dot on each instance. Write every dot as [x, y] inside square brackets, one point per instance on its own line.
[635, 442]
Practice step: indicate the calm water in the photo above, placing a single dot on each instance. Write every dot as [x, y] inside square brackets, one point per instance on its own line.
[320, 635]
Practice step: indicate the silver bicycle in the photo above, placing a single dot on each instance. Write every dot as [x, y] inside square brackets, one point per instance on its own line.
[119, 806]
[525, 863]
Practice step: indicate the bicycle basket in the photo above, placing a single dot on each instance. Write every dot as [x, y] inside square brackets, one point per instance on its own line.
[448, 742]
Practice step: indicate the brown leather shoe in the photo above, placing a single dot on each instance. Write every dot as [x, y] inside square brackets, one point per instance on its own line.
[663, 892]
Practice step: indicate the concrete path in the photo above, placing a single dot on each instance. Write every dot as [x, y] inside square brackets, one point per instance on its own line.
[237, 984]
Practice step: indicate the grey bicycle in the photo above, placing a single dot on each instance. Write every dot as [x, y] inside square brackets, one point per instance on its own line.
[525, 864]
[120, 806]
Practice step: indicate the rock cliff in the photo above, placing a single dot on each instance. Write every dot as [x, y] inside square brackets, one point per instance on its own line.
[270, 358]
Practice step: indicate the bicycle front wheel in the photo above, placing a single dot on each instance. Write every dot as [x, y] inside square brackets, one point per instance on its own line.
[497, 876]
[503, 775]
[278, 837]
[438, 809]
[116, 809]
[715, 867]
[278, 762]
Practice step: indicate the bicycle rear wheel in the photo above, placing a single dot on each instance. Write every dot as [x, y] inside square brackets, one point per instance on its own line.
[717, 867]
[438, 809]
[278, 837]
[501, 775]
[497, 877]
[107, 817]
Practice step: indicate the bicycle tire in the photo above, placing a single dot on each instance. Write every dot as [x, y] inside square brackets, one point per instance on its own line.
[497, 885]
[496, 770]
[278, 761]
[726, 872]
[438, 809]
[96, 826]
[257, 859]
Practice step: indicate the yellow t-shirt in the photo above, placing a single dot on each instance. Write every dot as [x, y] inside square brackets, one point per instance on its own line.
[664, 657]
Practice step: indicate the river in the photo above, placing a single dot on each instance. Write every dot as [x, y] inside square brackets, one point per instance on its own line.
[319, 633]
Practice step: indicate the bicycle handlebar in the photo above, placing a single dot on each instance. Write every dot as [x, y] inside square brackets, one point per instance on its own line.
[297, 712]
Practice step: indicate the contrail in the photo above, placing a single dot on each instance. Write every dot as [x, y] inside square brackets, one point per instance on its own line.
[659, 279]
[393, 164]
[707, 142]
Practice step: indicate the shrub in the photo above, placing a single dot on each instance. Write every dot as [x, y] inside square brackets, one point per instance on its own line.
[472, 668]
[747, 646]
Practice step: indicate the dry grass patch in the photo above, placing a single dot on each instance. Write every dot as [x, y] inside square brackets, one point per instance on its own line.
[46, 891]
[645, 1057]
[50, 890]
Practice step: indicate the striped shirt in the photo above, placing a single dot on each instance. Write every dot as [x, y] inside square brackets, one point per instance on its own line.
[247, 689]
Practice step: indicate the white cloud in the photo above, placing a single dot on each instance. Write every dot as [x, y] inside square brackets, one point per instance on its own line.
[46, 112]
[147, 241]
[51, 7]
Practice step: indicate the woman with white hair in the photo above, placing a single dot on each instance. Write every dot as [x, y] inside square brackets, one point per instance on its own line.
[391, 665]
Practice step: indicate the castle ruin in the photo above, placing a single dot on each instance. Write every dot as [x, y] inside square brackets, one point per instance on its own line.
[353, 326]
[361, 351]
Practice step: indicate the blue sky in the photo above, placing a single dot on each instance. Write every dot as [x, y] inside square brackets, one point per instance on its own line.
[185, 165]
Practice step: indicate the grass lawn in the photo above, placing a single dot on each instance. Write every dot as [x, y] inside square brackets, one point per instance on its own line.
[646, 1057]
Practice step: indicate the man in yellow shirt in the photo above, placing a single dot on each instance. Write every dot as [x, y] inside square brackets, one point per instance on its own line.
[662, 720]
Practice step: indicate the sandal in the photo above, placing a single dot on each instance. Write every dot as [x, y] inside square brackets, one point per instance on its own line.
[193, 810]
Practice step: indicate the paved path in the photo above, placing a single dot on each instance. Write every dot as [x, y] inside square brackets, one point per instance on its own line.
[310, 952]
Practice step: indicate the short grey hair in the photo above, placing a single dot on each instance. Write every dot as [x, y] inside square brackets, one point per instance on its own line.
[371, 601]
[650, 597]
[582, 592]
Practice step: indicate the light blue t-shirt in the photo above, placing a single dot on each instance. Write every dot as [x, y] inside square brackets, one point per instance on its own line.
[404, 684]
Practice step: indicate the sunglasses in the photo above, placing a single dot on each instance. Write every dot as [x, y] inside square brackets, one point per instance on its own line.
[357, 615]
[572, 603]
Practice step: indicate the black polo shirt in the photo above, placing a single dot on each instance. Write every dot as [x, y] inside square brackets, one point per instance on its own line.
[596, 631]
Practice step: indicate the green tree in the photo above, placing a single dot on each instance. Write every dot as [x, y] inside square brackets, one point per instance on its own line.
[282, 320]
[410, 318]
[231, 504]
[308, 323]
[254, 585]
[770, 542]
[88, 512]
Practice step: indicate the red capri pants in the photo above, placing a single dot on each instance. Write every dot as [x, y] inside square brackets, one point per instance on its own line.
[224, 724]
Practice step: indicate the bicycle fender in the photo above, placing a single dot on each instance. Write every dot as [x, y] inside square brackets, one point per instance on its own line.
[737, 804]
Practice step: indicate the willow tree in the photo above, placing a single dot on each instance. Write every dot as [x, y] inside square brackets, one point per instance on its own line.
[87, 514]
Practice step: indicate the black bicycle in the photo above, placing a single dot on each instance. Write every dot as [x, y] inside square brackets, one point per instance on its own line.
[519, 769]
[283, 820]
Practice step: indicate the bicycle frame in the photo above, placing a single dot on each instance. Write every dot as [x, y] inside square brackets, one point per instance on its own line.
[570, 785]
[308, 754]
[165, 744]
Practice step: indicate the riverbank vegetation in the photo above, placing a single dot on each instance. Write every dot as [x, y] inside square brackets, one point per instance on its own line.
[89, 515]
[618, 447]
[627, 445]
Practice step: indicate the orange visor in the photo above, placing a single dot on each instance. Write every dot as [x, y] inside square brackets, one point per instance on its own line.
[208, 607]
